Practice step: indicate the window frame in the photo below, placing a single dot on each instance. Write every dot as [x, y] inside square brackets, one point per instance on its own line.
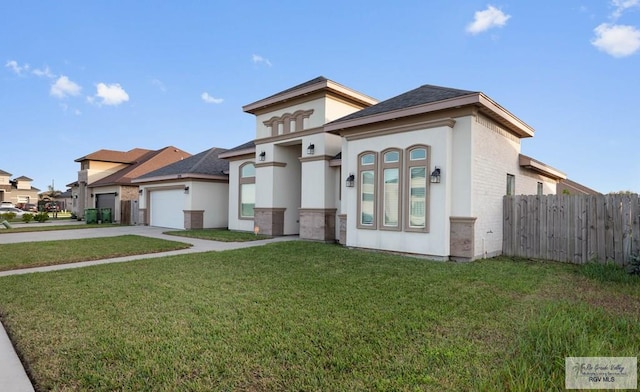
[381, 189]
[511, 184]
[244, 181]
[408, 165]
[373, 167]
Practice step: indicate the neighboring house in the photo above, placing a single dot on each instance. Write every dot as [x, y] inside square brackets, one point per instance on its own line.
[421, 173]
[189, 194]
[18, 190]
[105, 176]
[569, 187]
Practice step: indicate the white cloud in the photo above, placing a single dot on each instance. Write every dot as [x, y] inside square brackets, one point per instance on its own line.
[622, 6]
[158, 83]
[46, 72]
[209, 99]
[257, 59]
[617, 40]
[64, 87]
[16, 68]
[487, 19]
[109, 94]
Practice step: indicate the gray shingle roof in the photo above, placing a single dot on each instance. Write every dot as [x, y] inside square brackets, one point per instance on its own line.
[301, 85]
[206, 162]
[249, 144]
[419, 96]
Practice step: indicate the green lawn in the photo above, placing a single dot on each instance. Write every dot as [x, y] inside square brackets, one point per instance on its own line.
[47, 226]
[316, 317]
[37, 254]
[219, 235]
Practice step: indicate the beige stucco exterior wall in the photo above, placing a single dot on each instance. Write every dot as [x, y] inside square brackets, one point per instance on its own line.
[213, 198]
[436, 242]
[316, 119]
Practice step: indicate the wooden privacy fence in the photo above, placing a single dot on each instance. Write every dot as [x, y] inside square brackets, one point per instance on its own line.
[572, 228]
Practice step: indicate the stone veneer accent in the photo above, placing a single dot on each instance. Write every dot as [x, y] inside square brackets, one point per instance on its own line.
[462, 237]
[143, 217]
[342, 226]
[193, 219]
[269, 220]
[318, 224]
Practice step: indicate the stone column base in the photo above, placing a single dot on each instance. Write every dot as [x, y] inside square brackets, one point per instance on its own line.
[318, 224]
[143, 217]
[270, 221]
[462, 233]
[193, 219]
[342, 227]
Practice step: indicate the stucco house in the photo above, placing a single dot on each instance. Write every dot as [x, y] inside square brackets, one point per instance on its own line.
[422, 173]
[18, 190]
[189, 194]
[105, 176]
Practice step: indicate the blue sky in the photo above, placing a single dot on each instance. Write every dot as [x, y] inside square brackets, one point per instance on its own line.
[80, 76]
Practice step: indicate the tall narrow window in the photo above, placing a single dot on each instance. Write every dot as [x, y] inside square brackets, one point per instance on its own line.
[367, 190]
[247, 196]
[390, 189]
[417, 166]
[511, 185]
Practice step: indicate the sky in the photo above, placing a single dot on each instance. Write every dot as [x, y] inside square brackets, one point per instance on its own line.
[80, 76]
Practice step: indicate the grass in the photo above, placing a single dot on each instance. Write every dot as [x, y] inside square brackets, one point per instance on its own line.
[316, 317]
[34, 226]
[219, 235]
[37, 254]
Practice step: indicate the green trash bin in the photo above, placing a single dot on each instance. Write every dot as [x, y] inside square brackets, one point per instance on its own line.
[105, 215]
[91, 215]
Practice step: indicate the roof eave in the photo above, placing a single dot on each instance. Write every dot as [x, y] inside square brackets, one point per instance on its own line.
[516, 126]
[236, 153]
[182, 176]
[541, 168]
[329, 85]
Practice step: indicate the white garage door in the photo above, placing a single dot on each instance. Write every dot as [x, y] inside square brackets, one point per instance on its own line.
[166, 208]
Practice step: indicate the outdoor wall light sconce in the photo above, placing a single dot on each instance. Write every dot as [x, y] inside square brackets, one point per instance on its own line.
[435, 176]
[92, 195]
[140, 191]
[311, 149]
[262, 156]
[115, 193]
[186, 190]
[351, 181]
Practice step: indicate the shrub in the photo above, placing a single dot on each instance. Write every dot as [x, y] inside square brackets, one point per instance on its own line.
[8, 216]
[41, 217]
[26, 218]
[634, 265]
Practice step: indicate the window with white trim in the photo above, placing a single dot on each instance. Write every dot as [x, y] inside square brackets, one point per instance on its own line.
[247, 191]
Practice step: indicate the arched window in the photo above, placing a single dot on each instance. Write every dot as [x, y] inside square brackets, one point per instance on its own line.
[417, 171]
[247, 192]
[367, 165]
[390, 192]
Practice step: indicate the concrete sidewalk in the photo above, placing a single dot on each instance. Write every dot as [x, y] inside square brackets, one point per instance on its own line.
[13, 377]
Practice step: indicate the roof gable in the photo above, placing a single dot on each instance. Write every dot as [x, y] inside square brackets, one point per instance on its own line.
[311, 88]
[419, 96]
[204, 163]
[149, 162]
[103, 155]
